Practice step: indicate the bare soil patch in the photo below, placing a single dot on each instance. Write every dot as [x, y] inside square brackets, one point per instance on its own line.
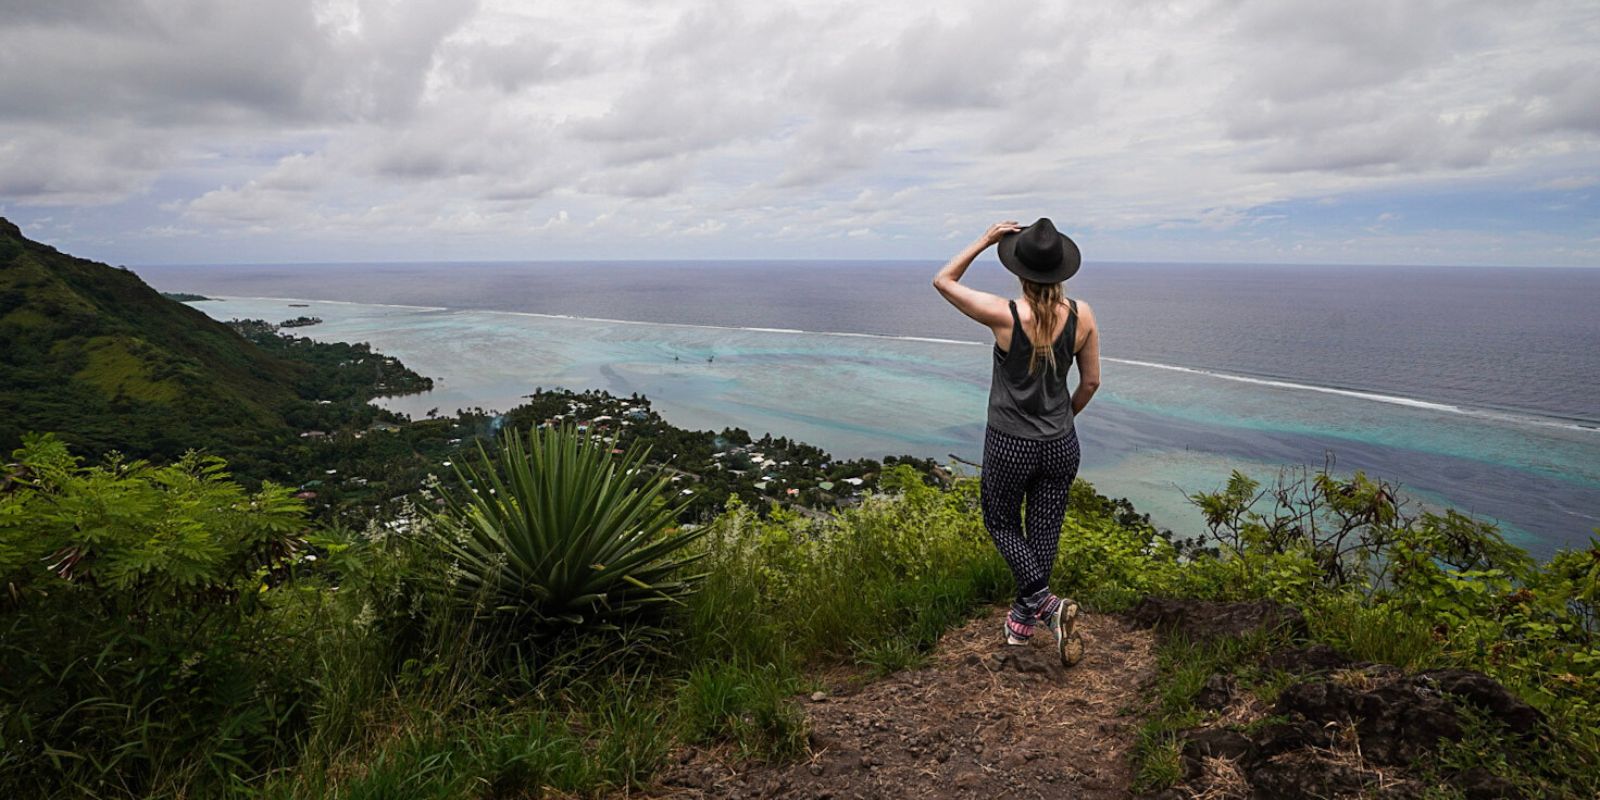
[981, 720]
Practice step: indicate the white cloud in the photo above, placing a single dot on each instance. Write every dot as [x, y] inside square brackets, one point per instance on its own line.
[784, 122]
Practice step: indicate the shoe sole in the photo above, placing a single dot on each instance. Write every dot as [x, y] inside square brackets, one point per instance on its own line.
[1069, 645]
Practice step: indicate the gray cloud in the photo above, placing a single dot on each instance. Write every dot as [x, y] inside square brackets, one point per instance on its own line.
[246, 61]
[544, 124]
[79, 166]
[1375, 145]
[836, 147]
[655, 178]
[1307, 51]
[1563, 99]
[1373, 88]
[173, 77]
[512, 66]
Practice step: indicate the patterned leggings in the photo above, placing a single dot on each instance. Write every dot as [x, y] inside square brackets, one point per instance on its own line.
[1041, 472]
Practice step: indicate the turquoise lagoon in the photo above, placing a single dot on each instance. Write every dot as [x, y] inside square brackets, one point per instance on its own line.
[1153, 433]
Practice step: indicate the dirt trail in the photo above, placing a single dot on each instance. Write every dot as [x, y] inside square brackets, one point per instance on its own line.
[981, 720]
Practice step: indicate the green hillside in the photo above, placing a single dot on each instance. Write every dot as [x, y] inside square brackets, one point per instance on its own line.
[91, 352]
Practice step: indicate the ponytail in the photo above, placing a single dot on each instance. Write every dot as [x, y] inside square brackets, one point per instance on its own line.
[1044, 299]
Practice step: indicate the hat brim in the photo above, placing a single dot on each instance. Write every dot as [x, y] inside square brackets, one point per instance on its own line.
[1071, 259]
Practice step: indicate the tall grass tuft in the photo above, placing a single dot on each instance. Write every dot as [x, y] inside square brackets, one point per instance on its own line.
[750, 705]
[878, 583]
[1379, 633]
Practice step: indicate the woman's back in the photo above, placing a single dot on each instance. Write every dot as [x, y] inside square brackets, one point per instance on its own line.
[1025, 315]
[1029, 397]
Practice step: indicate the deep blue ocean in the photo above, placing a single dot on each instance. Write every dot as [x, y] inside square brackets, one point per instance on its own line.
[1477, 388]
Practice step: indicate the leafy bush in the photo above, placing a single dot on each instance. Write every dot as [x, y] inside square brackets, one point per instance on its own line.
[153, 642]
[555, 532]
[135, 654]
[1344, 526]
[1109, 566]
[1310, 530]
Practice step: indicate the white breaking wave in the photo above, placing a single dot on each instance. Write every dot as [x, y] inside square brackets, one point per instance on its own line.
[1381, 398]
[1397, 400]
[1410, 402]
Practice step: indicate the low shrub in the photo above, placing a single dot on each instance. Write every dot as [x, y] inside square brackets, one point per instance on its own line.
[168, 632]
[139, 652]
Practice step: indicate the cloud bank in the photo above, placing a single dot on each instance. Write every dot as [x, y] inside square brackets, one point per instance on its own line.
[1430, 131]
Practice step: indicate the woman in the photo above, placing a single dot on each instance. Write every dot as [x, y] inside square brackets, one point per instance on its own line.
[1030, 448]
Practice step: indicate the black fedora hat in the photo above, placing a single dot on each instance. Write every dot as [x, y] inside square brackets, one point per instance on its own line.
[1040, 254]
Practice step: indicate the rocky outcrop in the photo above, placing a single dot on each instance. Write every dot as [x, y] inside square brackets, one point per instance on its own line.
[1376, 716]
[1344, 728]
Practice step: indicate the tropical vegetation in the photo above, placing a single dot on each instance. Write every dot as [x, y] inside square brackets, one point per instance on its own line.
[168, 632]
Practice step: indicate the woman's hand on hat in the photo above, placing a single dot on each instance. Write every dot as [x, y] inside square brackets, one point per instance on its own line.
[999, 230]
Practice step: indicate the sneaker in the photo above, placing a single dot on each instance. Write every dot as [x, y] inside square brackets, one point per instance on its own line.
[1017, 634]
[1060, 622]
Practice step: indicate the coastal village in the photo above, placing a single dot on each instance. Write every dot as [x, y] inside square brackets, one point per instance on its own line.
[707, 467]
[361, 471]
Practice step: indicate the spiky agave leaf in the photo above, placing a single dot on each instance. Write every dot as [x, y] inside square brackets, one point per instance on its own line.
[562, 532]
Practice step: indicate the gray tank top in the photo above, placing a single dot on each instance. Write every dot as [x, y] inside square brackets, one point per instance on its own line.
[1037, 405]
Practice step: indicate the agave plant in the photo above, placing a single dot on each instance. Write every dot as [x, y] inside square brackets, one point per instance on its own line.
[560, 531]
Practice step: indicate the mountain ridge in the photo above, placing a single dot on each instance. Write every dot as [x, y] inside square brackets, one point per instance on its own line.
[94, 354]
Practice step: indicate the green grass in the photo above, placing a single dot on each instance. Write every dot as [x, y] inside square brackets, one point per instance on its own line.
[889, 656]
[1157, 758]
[603, 735]
[1541, 766]
[493, 756]
[750, 706]
[845, 590]
[1182, 668]
[1379, 634]
[454, 721]
[1269, 684]
[121, 366]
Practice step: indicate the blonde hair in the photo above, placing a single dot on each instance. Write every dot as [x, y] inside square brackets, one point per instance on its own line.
[1044, 299]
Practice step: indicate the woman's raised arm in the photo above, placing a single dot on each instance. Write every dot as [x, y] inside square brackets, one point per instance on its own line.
[987, 309]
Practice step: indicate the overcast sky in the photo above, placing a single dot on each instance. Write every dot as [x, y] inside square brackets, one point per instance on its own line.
[1358, 131]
